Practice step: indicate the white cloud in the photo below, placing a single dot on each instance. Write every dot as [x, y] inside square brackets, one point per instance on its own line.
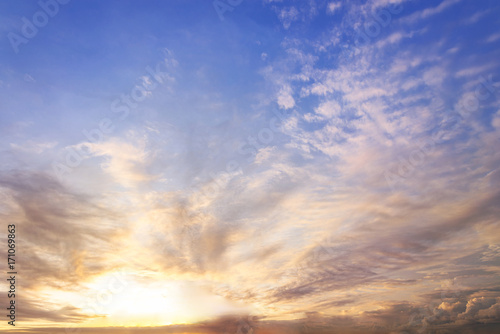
[285, 98]
[287, 16]
[434, 76]
[124, 162]
[474, 71]
[29, 78]
[492, 38]
[35, 147]
[474, 18]
[264, 154]
[436, 10]
[393, 38]
[495, 122]
[423, 14]
[329, 109]
[332, 7]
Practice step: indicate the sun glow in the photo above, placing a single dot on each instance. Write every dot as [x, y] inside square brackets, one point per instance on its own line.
[145, 306]
[126, 299]
[123, 299]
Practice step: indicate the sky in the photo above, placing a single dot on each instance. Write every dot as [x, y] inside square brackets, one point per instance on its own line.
[264, 166]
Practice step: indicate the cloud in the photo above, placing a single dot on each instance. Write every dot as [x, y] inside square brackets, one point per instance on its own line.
[288, 15]
[474, 305]
[285, 98]
[307, 227]
[34, 147]
[264, 154]
[329, 109]
[29, 78]
[65, 234]
[45, 311]
[492, 38]
[475, 18]
[332, 7]
[428, 12]
[124, 161]
[474, 71]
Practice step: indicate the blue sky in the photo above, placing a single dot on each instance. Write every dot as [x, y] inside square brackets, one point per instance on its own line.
[235, 150]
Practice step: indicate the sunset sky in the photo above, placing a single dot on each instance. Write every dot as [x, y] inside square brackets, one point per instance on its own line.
[300, 166]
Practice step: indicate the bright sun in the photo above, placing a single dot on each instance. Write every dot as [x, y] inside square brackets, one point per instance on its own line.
[130, 300]
[145, 306]
[127, 299]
